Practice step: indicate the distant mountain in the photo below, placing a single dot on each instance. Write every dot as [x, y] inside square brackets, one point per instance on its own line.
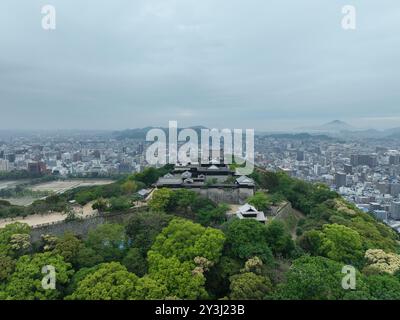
[142, 132]
[334, 129]
[393, 133]
[337, 125]
[295, 136]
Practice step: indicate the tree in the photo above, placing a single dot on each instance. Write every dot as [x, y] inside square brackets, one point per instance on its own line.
[311, 242]
[26, 281]
[79, 276]
[85, 196]
[143, 228]
[342, 244]
[161, 200]
[100, 205]
[270, 181]
[150, 175]
[109, 241]
[254, 265]
[135, 262]
[249, 286]
[149, 289]
[374, 234]
[7, 265]
[246, 238]
[6, 236]
[260, 200]
[202, 203]
[180, 256]
[182, 200]
[338, 243]
[69, 247]
[119, 204]
[316, 278]
[129, 187]
[20, 243]
[378, 261]
[177, 277]
[111, 281]
[383, 287]
[187, 240]
[212, 216]
[217, 283]
[279, 238]
[87, 257]
[49, 242]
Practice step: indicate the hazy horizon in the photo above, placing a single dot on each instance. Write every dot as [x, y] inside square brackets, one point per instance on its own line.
[268, 65]
[312, 128]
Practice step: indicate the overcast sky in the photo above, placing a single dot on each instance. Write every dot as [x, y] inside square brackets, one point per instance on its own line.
[268, 65]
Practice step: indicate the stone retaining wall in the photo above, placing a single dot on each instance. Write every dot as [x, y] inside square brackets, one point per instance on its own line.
[81, 227]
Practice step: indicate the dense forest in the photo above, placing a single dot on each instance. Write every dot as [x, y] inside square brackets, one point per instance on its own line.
[183, 247]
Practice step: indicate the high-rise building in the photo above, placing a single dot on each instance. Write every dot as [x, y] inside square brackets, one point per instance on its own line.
[300, 155]
[317, 169]
[395, 210]
[383, 187]
[348, 169]
[340, 179]
[37, 167]
[10, 157]
[141, 148]
[381, 214]
[364, 160]
[394, 159]
[4, 165]
[395, 189]
[76, 157]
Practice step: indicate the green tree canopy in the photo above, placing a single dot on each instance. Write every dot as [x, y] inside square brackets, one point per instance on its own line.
[260, 200]
[279, 238]
[26, 281]
[109, 241]
[182, 200]
[111, 281]
[149, 289]
[316, 278]
[177, 277]
[8, 233]
[336, 242]
[143, 228]
[7, 265]
[161, 200]
[129, 187]
[246, 238]
[187, 240]
[69, 247]
[212, 216]
[383, 287]
[135, 262]
[249, 286]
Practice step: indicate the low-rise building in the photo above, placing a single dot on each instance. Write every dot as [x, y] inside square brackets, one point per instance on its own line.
[247, 211]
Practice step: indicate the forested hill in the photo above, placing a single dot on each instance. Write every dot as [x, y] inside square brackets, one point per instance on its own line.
[185, 248]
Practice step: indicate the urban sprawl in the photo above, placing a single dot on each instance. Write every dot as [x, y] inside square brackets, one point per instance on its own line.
[364, 171]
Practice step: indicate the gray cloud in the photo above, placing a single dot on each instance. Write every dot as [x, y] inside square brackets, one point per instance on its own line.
[229, 63]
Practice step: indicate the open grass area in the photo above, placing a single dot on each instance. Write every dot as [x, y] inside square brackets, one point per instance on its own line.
[62, 186]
